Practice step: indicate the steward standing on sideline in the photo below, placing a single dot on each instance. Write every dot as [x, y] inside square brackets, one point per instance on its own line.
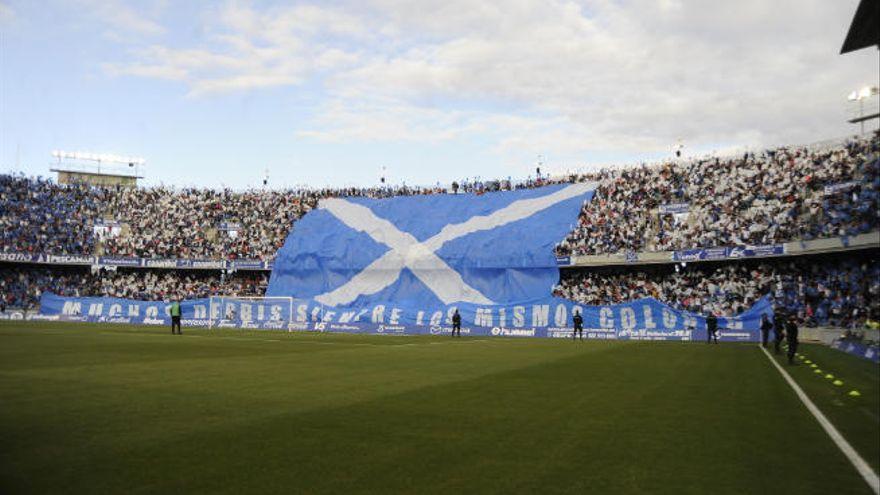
[175, 317]
[791, 331]
[456, 323]
[778, 330]
[765, 330]
[711, 328]
[578, 321]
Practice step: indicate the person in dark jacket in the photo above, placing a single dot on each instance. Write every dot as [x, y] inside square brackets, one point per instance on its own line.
[778, 330]
[578, 321]
[456, 323]
[711, 328]
[791, 333]
[766, 325]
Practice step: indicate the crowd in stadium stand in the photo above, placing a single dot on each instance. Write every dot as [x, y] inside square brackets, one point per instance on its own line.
[839, 292]
[761, 198]
[22, 285]
[40, 216]
[774, 196]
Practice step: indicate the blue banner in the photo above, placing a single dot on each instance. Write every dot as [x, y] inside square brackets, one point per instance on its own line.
[19, 257]
[860, 349]
[752, 251]
[119, 261]
[229, 226]
[246, 264]
[720, 253]
[832, 189]
[645, 319]
[675, 208]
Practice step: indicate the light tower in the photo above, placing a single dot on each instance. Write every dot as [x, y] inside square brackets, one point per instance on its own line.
[866, 93]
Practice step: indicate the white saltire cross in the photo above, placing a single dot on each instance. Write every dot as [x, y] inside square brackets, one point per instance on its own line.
[420, 257]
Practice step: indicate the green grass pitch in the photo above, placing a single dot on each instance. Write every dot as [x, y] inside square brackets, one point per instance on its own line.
[121, 409]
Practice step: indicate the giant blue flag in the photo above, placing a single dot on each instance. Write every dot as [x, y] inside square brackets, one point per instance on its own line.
[429, 251]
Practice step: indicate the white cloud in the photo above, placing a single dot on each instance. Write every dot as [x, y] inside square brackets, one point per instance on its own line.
[121, 21]
[246, 49]
[537, 75]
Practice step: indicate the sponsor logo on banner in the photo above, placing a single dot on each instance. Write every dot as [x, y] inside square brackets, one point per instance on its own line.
[19, 257]
[688, 255]
[247, 264]
[119, 261]
[71, 259]
[674, 208]
[438, 330]
[320, 326]
[513, 332]
[206, 263]
[38, 317]
[249, 325]
[229, 226]
[840, 187]
[644, 334]
[563, 260]
[113, 319]
[151, 263]
[770, 250]
[716, 253]
[736, 252]
[12, 315]
[154, 321]
[343, 327]
[192, 323]
[559, 333]
[297, 325]
[272, 325]
[391, 329]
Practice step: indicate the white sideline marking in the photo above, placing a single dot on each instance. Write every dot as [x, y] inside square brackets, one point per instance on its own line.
[861, 466]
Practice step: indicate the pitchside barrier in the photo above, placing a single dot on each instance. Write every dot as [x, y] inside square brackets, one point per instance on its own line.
[863, 350]
[645, 319]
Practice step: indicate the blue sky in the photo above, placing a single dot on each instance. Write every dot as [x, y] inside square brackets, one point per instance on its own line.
[214, 93]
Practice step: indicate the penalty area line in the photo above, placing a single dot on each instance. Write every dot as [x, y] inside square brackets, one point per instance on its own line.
[861, 466]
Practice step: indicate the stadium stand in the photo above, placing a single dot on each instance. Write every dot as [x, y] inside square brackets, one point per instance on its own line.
[22, 285]
[776, 196]
[779, 195]
[798, 193]
[837, 290]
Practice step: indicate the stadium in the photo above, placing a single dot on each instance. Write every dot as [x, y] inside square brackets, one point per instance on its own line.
[686, 321]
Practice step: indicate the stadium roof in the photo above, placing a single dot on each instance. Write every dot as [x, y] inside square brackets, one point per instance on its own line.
[865, 28]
